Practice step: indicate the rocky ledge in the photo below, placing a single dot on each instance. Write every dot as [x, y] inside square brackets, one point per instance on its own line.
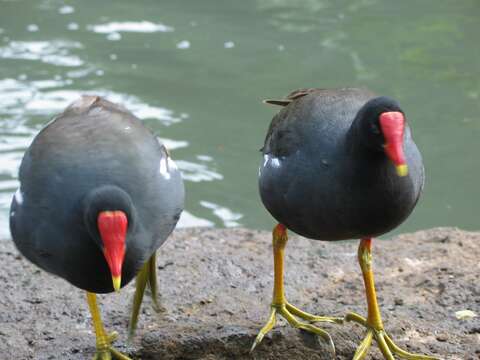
[216, 288]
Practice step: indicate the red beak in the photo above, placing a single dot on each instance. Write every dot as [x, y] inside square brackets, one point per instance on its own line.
[393, 126]
[112, 226]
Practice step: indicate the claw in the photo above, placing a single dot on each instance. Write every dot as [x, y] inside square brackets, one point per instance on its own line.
[104, 355]
[364, 346]
[272, 319]
[351, 316]
[118, 355]
[110, 353]
[384, 341]
[382, 344]
[281, 306]
[105, 351]
[307, 327]
[373, 322]
[404, 354]
[287, 311]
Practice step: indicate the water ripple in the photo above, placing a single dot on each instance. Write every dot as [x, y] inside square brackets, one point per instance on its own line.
[228, 217]
[130, 26]
[55, 52]
[189, 220]
[18, 98]
[66, 9]
[197, 172]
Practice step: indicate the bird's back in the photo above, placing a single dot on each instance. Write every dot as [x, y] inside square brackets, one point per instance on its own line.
[313, 120]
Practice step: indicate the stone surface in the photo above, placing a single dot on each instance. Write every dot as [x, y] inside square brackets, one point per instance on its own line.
[216, 289]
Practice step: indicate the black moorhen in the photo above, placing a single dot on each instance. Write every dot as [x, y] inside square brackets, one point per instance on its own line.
[98, 196]
[338, 164]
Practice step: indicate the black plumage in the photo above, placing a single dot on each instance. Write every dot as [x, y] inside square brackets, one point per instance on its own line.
[325, 175]
[95, 156]
[338, 164]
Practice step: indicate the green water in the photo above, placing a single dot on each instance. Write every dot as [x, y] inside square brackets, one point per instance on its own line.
[196, 72]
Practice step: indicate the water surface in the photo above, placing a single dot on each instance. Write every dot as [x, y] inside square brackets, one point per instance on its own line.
[195, 72]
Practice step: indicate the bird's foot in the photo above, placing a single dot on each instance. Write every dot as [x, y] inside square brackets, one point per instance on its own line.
[105, 351]
[288, 312]
[384, 341]
[280, 305]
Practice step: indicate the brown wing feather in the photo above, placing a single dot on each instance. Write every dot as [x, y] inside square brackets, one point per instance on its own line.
[294, 95]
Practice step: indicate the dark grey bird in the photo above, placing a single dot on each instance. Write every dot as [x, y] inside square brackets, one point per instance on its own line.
[338, 164]
[98, 195]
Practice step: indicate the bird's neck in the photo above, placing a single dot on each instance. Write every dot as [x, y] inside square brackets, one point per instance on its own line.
[366, 158]
[358, 139]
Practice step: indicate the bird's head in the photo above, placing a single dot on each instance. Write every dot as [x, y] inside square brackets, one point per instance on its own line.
[383, 126]
[109, 217]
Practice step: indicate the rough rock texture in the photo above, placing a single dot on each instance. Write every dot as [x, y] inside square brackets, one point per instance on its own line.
[217, 285]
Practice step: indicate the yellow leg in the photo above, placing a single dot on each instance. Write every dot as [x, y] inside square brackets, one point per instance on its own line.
[373, 322]
[105, 351]
[280, 305]
[147, 275]
[152, 282]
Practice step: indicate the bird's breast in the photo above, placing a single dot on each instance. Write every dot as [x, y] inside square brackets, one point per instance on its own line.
[325, 200]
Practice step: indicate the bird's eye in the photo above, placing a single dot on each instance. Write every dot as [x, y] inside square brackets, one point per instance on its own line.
[375, 128]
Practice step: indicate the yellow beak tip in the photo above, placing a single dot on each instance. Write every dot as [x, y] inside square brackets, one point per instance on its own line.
[117, 283]
[402, 170]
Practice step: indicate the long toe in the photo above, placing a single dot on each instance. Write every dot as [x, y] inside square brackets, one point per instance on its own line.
[405, 354]
[312, 318]
[102, 355]
[384, 342]
[288, 312]
[118, 355]
[265, 329]
[307, 327]
[364, 346]
[110, 354]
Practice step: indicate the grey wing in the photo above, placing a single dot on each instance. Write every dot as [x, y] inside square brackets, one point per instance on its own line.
[281, 138]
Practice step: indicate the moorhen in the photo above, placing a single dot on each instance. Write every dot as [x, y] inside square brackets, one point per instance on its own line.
[338, 164]
[98, 195]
